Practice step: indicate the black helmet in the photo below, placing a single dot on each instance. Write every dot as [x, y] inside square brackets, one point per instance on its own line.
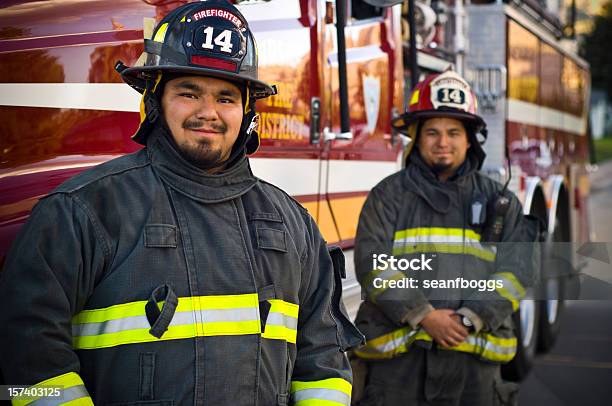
[208, 38]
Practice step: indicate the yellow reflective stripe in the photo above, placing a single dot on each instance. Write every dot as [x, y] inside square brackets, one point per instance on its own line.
[280, 333]
[318, 402]
[389, 345]
[173, 333]
[79, 402]
[481, 253]
[338, 384]
[489, 347]
[131, 337]
[217, 302]
[119, 311]
[124, 310]
[333, 391]
[510, 277]
[199, 316]
[512, 291]
[437, 231]
[65, 382]
[287, 314]
[227, 328]
[375, 292]
[280, 306]
[508, 296]
[161, 33]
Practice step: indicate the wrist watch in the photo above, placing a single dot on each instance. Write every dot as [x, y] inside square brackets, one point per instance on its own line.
[465, 320]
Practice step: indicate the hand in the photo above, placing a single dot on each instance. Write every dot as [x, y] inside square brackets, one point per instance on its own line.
[444, 326]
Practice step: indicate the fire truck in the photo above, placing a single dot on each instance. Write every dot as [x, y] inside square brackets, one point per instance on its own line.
[326, 137]
[533, 92]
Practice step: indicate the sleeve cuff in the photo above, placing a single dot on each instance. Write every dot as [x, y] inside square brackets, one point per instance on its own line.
[474, 318]
[414, 316]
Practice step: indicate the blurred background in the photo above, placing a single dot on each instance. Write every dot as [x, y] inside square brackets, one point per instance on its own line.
[541, 70]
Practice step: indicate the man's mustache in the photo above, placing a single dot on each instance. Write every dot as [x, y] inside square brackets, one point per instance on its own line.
[199, 124]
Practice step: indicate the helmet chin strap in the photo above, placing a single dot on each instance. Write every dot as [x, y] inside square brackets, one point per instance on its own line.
[247, 141]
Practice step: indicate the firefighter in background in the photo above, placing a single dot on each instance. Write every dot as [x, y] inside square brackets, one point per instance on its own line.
[173, 275]
[427, 345]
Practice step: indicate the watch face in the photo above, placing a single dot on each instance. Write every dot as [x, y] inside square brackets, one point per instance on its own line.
[466, 321]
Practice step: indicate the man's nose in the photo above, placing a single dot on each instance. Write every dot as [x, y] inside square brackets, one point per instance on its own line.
[207, 109]
[443, 140]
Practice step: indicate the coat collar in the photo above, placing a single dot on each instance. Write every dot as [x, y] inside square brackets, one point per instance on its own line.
[192, 181]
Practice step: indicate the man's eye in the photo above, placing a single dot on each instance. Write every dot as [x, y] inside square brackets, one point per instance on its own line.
[226, 100]
[187, 95]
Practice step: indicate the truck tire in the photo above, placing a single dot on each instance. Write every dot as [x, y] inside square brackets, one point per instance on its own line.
[526, 321]
[556, 269]
[550, 314]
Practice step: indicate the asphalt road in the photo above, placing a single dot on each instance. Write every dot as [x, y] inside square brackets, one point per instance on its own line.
[578, 370]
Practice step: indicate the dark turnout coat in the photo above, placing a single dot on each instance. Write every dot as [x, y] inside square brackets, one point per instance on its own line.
[412, 213]
[148, 281]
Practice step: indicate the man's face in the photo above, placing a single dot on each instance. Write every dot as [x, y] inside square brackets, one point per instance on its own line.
[443, 144]
[204, 116]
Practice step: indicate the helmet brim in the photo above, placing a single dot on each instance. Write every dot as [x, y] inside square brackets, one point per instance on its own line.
[136, 77]
[403, 122]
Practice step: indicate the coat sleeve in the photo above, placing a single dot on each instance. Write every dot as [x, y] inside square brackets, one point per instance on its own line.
[322, 371]
[47, 278]
[375, 235]
[513, 273]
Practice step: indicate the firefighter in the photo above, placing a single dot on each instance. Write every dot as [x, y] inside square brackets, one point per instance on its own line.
[440, 339]
[173, 275]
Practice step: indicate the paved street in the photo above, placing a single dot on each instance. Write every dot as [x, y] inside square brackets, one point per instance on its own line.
[578, 371]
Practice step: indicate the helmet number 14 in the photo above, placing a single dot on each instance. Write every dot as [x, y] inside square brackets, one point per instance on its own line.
[223, 40]
[446, 95]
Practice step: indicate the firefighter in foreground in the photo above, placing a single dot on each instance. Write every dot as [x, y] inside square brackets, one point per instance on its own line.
[173, 275]
[425, 344]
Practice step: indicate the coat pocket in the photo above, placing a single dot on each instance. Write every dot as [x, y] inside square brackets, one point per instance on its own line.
[160, 236]
[348, 336]
[271, 239]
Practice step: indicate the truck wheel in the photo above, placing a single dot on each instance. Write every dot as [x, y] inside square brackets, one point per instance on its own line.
[551, 309]
[526, 321]
[556, 268]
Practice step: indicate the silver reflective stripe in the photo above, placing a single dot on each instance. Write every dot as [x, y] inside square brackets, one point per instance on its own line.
[322, 394]
[446, 239]
[281, 319]
[68, 394]
[110, 326]
[125, 324]
[450, 239]
[509, 286]
[394, 344]
[179, 319]
[388, 274]
[229, 315]
[489, 346]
